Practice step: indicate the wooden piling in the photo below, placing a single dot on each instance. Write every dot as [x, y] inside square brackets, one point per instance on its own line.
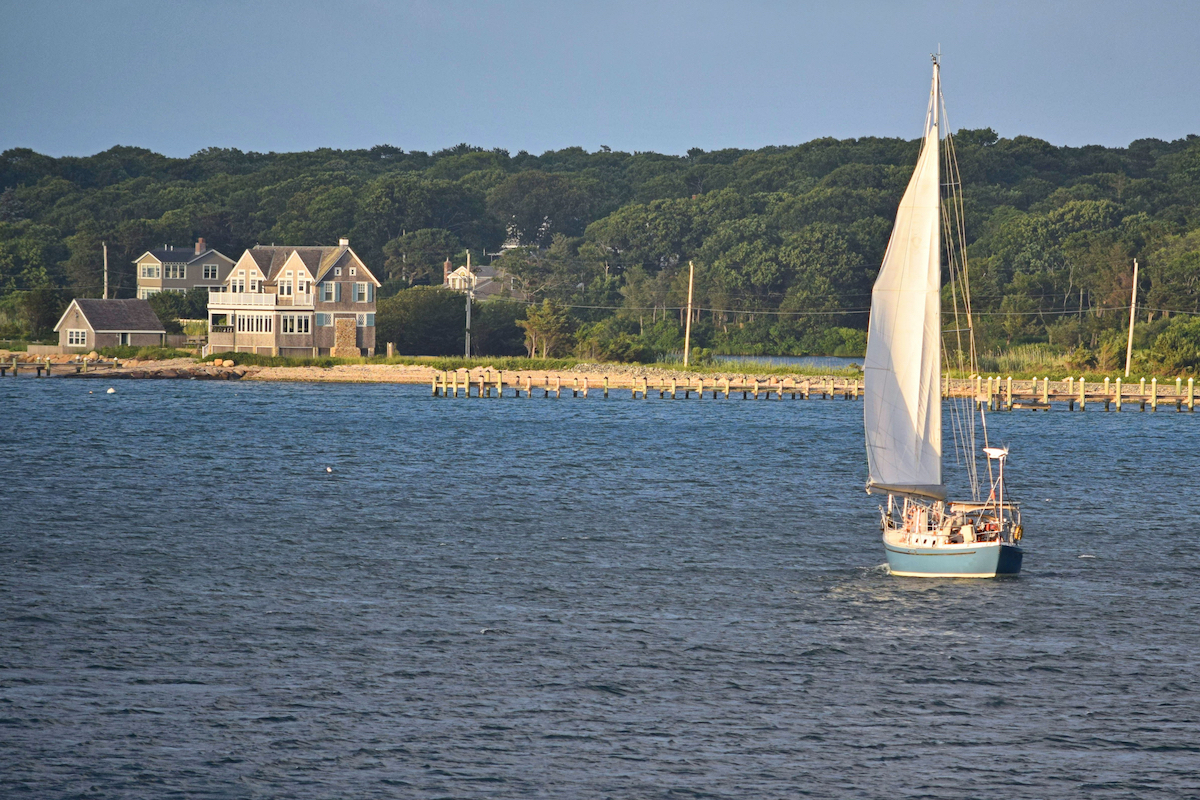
[585, 387]
[1118, 394]
[435, 393]
[1154, 394]
[528, 386]
[726, 388]
[1191, 395]
[1107, 396]
[1082, 395]
[645, 388]
[605, 387]
[1178, 390]
[700, 388]
[557, 387]
[1046, 390]
[756, 388]
[1142, 393]
[1008, 392]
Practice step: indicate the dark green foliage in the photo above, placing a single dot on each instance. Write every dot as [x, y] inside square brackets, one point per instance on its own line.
[174, 306]
[495, 328]
[1178, 347]
[422, 321]
[786, 240]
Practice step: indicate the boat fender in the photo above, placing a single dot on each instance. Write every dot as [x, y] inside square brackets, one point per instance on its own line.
[1017, 532]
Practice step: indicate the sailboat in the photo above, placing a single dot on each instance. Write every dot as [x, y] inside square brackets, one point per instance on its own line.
[924, 533]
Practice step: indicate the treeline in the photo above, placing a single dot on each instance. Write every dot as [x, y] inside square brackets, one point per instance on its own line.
[786, 241]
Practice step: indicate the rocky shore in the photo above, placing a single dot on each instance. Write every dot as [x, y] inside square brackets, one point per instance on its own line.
[193, 369]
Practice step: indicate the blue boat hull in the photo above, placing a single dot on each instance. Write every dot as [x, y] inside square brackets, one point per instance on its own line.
[983, 560]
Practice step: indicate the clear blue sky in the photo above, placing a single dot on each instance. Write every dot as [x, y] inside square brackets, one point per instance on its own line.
[79, 77]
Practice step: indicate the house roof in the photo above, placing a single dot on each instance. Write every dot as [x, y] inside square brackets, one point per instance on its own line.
[117, 315]
[317, 260]
[179, 254]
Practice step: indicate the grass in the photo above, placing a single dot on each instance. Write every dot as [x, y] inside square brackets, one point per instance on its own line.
[145, 353]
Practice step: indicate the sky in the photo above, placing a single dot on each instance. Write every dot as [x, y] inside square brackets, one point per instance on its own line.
[178, 76]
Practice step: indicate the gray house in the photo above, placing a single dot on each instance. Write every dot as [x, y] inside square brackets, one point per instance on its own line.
[177, 269]
[295, 301]
[89, 324]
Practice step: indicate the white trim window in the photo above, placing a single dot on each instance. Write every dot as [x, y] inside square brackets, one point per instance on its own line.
[353, 271]
[76, 337]
[175, 271]
[254, 323]
[365, 320]
[294, 323]
[210, 272]
[150, 271]
[360, 293]
[146, 294]
[285, 285]
[326, 292]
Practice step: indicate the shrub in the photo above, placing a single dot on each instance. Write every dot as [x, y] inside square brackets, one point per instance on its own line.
[1178, 347]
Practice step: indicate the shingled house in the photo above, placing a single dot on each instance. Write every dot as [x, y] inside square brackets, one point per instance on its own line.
[295, 301]
[177, 269]
[89, 324]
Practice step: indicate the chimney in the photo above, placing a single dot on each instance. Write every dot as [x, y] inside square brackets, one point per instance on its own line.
[343, 242]
[447, 268]
[200, 248]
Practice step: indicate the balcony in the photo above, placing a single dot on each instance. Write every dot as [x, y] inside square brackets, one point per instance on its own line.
[258, 300]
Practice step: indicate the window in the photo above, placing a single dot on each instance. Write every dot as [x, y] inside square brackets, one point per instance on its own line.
[146, 294]
[254, 284]
[327, 292]
[337, 270]
[354, 271]
[150, 270]
[254, 323]
[360, 292]
[294, 323]
[366, 320]
[76, 338]
[175, 271]
[285, 285]
[210, 272]
[237, 285]
[324, 320]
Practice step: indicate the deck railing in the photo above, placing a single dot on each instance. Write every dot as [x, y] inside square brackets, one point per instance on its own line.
[259, 300]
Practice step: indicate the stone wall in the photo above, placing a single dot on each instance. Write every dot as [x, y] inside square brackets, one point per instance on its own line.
[345, 338]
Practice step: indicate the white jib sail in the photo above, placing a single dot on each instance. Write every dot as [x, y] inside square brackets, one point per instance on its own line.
[902, 393]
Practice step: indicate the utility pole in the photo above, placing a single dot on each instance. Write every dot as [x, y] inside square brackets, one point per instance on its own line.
[687, 327]
[1132, 312]
[470, 296]
[105, 246]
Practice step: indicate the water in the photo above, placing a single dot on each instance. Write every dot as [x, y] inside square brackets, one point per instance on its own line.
[570, 599]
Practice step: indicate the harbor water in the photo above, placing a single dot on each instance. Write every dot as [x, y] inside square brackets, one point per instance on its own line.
[224, 589]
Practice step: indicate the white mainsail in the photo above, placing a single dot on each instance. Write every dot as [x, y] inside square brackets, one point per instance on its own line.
[902, 393]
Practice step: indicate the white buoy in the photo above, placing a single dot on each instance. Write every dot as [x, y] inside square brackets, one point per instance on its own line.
[112, 390]
[329, 469]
